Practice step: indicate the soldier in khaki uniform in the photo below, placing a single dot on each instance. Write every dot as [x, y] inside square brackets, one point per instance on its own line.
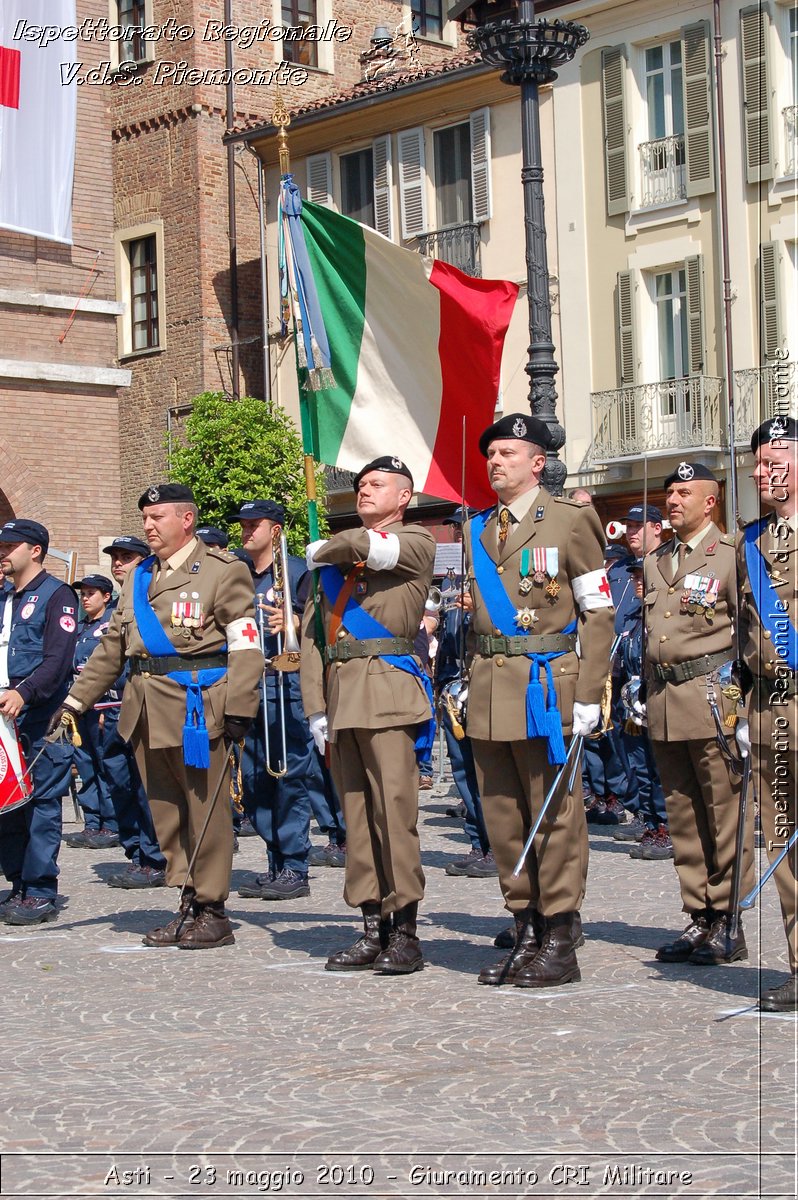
[364, 692]
[689, 607]
[202, 598]
[767, 557]
[537, 579]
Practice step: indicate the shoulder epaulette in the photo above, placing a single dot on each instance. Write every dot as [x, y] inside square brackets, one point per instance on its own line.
[573, 503]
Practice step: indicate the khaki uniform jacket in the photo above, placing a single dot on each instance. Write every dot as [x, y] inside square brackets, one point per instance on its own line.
[369, 693]
[224, 589]
[778, 544]
[497, 687]
[679, 711]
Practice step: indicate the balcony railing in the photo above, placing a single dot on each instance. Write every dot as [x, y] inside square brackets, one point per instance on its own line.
[791, 139]
[761, 393]
[338, 480]
[457, 245]
[662, 171]
[675, 414]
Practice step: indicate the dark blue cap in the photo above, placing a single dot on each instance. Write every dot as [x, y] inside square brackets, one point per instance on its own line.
[616, 550]
[166, 493]
[777, 429]
[101, 582]
[457, 517]
[687, 472]
[259, 510]
[652, 514]
[133, 544]
[212, 536]
[21, 529]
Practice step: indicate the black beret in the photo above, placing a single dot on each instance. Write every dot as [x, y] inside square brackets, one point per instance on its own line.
[126, 542]
[521, 426]
[101, 582]
[777, 429]
[686, 472]
[21, 529]
[166, 493]
[259, 510]
[212, 536]
[391, 464]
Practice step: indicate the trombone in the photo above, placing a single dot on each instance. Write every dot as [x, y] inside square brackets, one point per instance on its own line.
[285, 660]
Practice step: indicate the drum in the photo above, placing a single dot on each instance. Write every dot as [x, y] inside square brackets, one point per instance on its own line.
[16, 785]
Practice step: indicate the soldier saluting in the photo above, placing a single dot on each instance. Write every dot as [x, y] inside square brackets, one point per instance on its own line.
[537, 578]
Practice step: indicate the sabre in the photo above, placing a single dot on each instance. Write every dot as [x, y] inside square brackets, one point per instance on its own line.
[737, 878]
[750, 900]
[574, 747]
[229, 760]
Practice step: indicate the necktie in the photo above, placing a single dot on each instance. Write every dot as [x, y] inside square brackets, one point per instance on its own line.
[504, 525]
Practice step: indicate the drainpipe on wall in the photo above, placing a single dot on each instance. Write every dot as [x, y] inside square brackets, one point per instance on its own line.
[231, 205]
[732, 501]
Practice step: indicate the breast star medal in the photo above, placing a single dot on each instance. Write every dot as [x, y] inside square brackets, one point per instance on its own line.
[525, 618]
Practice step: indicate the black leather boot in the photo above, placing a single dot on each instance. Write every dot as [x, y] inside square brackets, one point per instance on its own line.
[555, 961]
[361, 955]
[719, 946]
[403, 953]
[529, 932]
[783, 998]
[694, 936]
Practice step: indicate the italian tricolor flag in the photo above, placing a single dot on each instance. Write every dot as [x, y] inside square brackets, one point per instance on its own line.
[415, 346]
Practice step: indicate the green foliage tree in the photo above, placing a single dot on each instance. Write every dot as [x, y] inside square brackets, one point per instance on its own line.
[239, 450]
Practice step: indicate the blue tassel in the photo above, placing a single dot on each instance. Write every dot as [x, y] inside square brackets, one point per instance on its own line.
[425, 740]
[535, 704]
[556, 742]
[196, 747]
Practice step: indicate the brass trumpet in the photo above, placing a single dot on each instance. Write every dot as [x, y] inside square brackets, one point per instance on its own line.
[287, 657]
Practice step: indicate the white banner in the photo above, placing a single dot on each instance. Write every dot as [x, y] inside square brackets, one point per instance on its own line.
[37, 117]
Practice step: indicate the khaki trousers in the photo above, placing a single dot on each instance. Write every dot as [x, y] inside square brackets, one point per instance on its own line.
[179, 798]
[514, 778]
[376, 776]
[702, 800]
[774, 747]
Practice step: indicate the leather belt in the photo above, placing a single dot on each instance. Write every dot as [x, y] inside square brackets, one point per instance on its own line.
[694, 668]
[541, 643]
[779, 684]
[368, 648]
[175, 662]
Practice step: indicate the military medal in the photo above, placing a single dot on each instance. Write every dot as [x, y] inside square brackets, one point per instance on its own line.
[525, 618]
[539, 559]
[553, 589]
[525, 586]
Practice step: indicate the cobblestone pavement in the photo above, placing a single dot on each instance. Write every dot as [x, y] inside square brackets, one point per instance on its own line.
[248, 1070]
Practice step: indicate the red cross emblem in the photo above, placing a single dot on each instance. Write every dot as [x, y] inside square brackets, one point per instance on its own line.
[249, 631]
[604, 587]
[9, 77]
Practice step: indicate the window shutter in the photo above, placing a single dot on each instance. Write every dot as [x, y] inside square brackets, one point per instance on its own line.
[319, 168]
[754, 31]
[696, 343]
[771, 334]
[625, 324]
[480, 164]
[698, 109]
[412, 182]
[613, 101]
[383, 179]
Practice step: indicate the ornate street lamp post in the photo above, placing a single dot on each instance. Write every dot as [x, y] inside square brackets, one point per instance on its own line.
[530, 51]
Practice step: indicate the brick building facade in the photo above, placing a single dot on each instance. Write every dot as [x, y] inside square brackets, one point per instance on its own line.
[59, 382]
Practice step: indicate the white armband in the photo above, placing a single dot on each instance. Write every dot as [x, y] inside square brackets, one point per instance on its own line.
[242, 634]
[383, 551]
[592, 591]
[311, 551]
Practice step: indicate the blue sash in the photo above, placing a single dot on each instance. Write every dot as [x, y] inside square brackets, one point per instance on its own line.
[196, 744]
[363, 626]
[770, 608]
[543, 718]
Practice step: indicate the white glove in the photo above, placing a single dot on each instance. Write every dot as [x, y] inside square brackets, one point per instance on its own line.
[743, 735]
[639, 712]
[318, 727]
[313, 549]
[585, 719]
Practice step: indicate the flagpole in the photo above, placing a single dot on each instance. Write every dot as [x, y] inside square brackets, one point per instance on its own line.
[281, 119]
